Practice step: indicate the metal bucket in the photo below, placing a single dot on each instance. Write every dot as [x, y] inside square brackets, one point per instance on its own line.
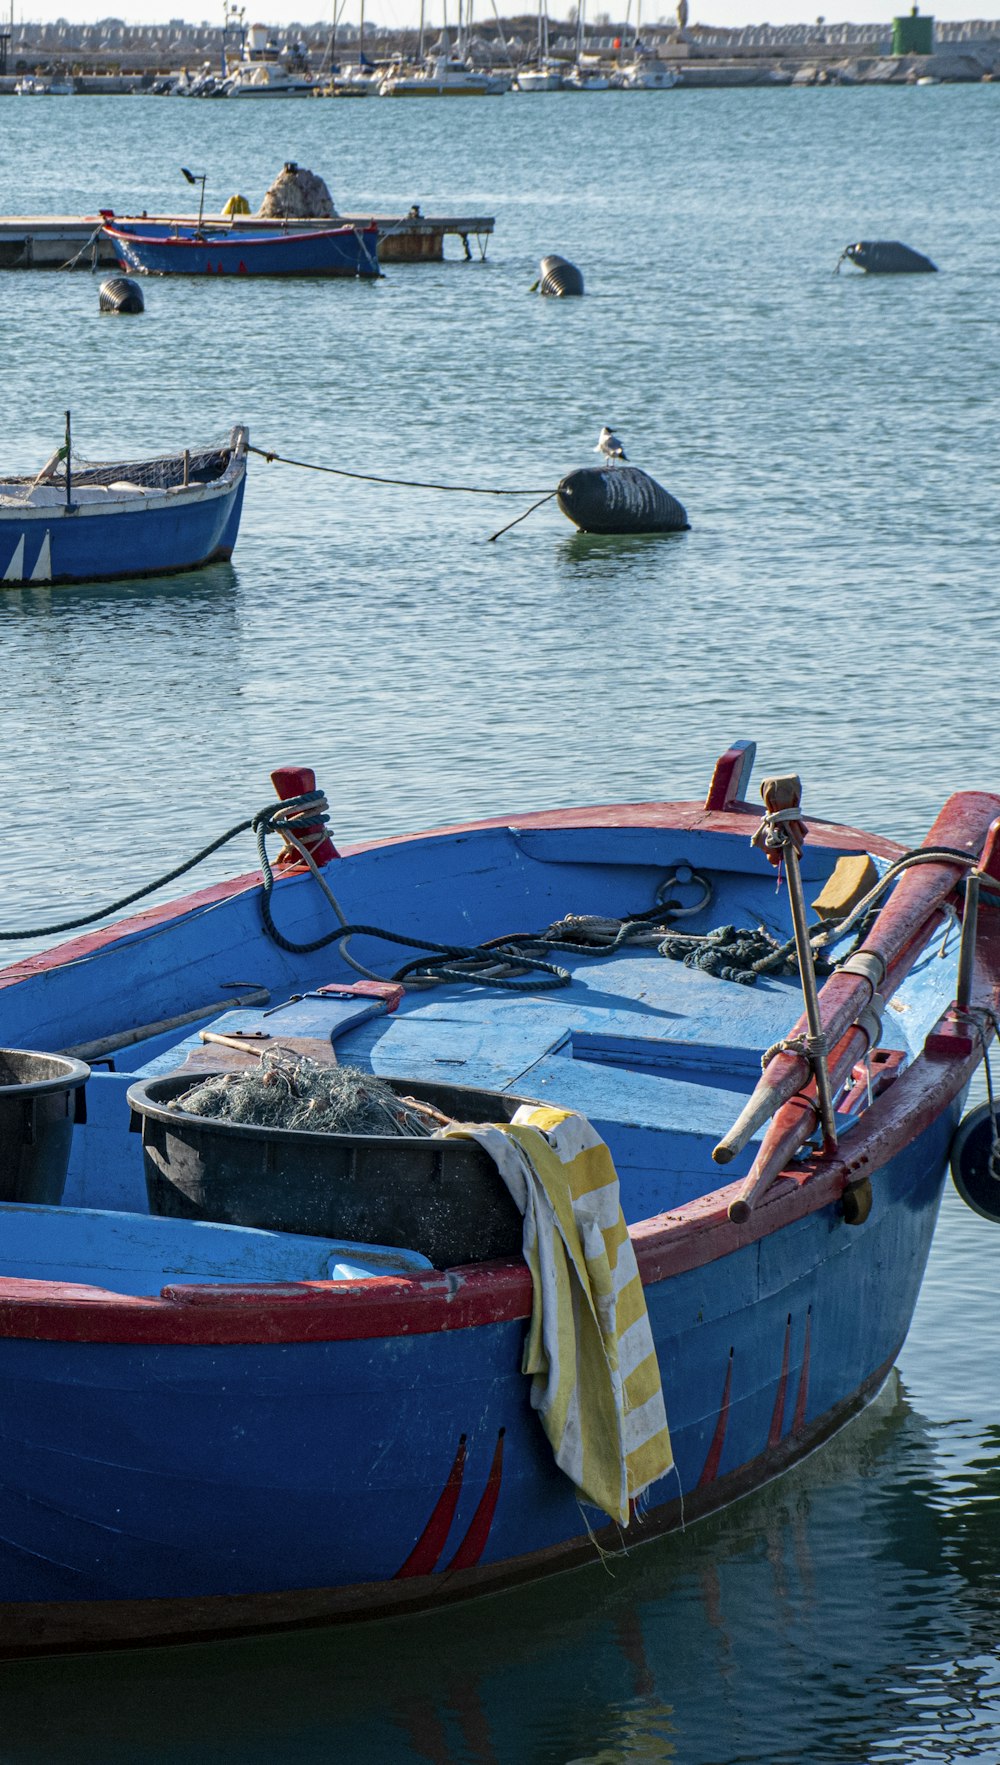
[444, 1198]
[41, 1096]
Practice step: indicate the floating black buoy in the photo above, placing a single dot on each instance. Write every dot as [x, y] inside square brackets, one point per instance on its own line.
[886, 257]
[558, 277]
[971, 1152]
[619, 499]
[119, 294]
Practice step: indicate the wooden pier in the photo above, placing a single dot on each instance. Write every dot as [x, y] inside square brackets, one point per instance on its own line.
[51, 242]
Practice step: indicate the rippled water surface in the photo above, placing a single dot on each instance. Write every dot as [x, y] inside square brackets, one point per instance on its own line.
[835, 442]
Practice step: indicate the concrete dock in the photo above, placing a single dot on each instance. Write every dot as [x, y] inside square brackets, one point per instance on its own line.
[48, 242]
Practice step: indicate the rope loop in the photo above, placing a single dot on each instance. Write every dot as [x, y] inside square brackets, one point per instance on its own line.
[797, 1045]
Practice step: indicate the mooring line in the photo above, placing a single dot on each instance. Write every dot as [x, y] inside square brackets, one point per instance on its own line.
[405, 483]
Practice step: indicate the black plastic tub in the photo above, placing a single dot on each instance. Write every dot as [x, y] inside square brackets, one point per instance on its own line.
[41, 1096]
[444, 1198]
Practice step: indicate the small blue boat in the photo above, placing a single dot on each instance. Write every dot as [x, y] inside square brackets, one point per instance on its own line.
[122, 518]
[222, 1410]
[166, 248]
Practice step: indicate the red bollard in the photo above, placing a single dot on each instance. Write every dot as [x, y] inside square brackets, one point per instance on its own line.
[298, 781]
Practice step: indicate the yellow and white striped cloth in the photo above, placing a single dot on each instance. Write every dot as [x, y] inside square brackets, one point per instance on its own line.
[595, 1380]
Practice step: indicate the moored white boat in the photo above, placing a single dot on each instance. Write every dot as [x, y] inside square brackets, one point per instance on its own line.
[444, 76]
[647, 74]
[547, 77]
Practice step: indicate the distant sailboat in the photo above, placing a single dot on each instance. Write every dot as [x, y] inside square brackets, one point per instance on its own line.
[546, 75]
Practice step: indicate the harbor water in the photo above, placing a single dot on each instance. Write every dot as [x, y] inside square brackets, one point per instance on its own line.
[833, 439]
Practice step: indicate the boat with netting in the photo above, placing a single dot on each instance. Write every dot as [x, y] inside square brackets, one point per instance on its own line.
[255, 1376]
[77, 520]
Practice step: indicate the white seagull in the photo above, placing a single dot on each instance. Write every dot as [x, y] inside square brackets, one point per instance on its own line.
[610, 446]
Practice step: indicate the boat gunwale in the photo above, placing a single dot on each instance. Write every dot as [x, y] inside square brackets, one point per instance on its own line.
[171, 497]
[683, 817]
[201, 239]
[153, 498]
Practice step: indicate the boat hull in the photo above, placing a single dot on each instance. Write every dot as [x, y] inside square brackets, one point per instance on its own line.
[163, 535]
[341, 251]
[222, 1453]
[189, 1487]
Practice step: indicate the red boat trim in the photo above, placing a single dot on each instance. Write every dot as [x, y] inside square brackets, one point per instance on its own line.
[238, 242]
[46, 1628]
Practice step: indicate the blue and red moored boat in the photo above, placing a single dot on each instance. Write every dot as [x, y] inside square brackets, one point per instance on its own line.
[168, 248]
[210, 1425]
[75, 522]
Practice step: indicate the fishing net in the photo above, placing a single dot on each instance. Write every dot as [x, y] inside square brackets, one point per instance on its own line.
[289, 1091]
[162, 472]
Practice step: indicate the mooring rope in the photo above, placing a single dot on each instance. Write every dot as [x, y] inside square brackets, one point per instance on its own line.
[271, 457]
[307, 809]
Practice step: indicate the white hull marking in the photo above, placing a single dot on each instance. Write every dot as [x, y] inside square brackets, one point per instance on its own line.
[15, 569]
[43, 563]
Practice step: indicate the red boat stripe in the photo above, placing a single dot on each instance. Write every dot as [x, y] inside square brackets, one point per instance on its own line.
[431, 1542]
[474, 1543]
[799, 1419]
[711, 1470]
[778, 1418]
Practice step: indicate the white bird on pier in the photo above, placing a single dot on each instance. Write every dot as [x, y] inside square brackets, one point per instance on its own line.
[610, 446]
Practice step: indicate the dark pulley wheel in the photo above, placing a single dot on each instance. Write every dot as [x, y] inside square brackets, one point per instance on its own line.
[970, 1164]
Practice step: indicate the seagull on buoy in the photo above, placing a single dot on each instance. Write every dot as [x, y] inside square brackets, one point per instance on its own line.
[610, 446]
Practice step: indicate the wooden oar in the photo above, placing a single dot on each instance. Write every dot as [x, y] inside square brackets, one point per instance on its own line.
[902, 929]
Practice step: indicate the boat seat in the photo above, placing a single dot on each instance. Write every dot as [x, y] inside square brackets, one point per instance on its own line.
[141, 1253]
[308, 1025]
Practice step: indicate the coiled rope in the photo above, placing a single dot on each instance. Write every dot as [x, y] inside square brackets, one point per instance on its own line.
[508, 962]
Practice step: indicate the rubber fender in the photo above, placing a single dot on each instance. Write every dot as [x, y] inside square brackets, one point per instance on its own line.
[559, 277]
[119, 294]
[619, 499]
[886, 257]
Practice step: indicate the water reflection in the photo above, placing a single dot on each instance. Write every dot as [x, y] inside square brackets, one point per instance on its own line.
[204, 590]
[845, 1614]
[608, 554]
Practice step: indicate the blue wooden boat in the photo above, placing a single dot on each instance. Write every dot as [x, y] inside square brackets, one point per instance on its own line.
[168, 248]
[147, 517]
[212, 1422]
